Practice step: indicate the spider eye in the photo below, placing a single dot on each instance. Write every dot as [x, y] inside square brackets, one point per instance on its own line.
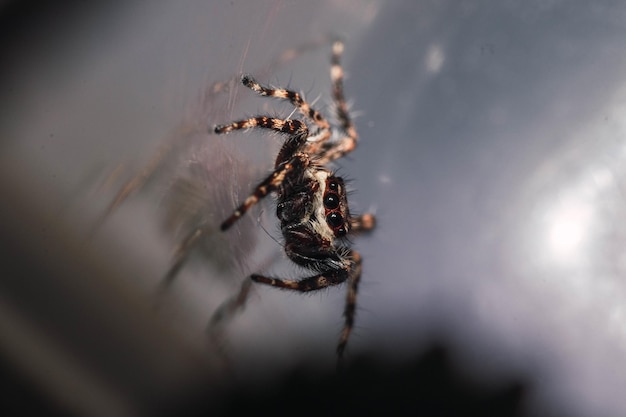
[331, 201]
[334, 220]
[333, 185]
[341, 232]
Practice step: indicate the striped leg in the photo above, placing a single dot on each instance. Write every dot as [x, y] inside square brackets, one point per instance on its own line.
[299, 162]
[329, 278]
[294, 98]
[314, 283]
[349, 311]
[292, 158]
[294, 127]
[348, 143]
[362, 223]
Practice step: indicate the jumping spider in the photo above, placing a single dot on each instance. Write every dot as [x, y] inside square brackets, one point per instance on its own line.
[312, 205]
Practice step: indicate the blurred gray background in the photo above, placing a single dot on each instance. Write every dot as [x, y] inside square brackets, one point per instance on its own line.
[492, 151]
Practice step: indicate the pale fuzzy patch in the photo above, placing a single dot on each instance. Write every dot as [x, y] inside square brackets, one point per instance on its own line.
[318, 218]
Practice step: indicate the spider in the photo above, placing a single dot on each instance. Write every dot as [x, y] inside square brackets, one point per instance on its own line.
[311, 200]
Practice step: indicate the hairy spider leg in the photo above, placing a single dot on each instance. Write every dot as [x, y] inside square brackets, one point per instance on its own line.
[351, 273]
[322, 134]
[291, 158]
[362, 223]
[345, 145]
[350, 308]
[299, 162]
[314, 283]
[292, 127]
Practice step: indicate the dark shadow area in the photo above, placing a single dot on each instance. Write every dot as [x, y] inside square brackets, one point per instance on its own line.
[428, 384]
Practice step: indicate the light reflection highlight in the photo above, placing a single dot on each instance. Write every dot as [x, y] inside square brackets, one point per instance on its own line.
[435, 58]
[569, 225]
[573, 218]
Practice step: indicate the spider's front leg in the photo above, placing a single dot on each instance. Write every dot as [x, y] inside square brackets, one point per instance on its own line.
[292, 127]
[296, 100]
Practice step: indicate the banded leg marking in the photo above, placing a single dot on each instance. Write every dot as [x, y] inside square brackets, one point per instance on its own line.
[293, 127]
[294, 98]
[272, 182]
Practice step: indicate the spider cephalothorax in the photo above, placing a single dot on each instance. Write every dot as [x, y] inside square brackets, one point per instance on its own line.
[312, 206]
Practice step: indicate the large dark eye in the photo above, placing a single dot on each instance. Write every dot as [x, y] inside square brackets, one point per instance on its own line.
[333, 185]
[334, 219]
[331, 201]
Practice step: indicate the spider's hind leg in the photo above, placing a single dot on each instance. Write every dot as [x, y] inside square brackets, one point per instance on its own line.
[294, 127]
[314, 283]
[347, 143]
[349, 311]
[351, 273]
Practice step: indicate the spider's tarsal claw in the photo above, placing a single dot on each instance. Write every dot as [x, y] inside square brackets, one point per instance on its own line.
[271, 281]
[259, 278]
[226, 224]
[247, 80]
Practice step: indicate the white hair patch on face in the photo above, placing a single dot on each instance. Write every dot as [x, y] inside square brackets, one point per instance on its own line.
[318, 216]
